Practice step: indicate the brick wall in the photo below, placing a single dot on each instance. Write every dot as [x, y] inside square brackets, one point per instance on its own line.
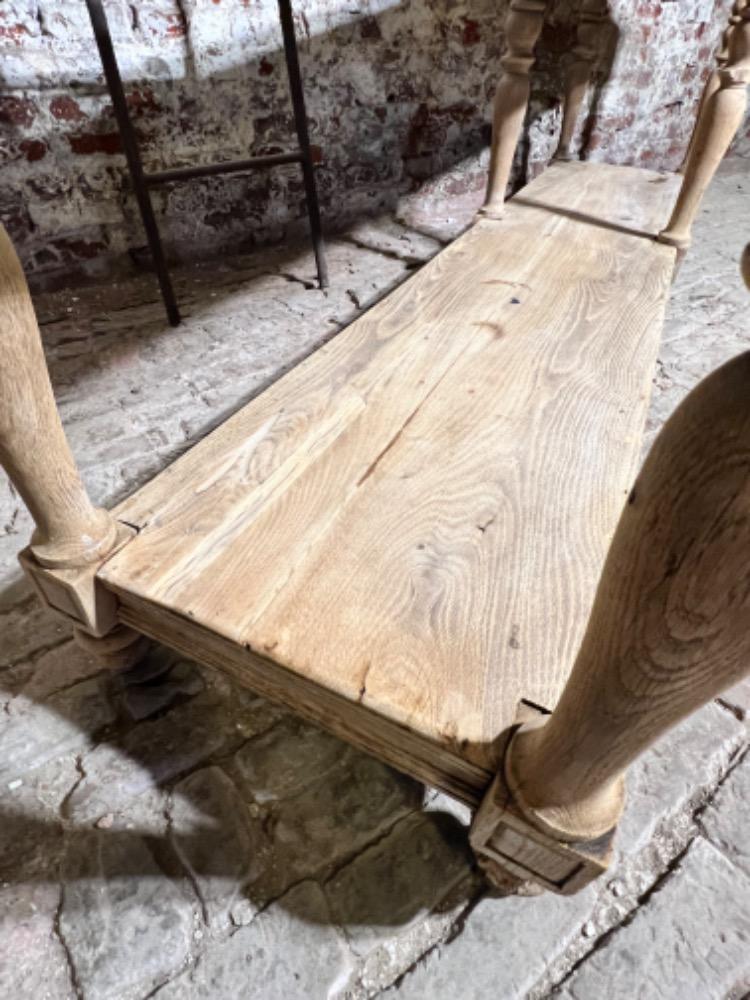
[398, 99]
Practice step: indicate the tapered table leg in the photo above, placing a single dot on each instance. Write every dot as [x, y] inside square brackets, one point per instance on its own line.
[722, 111]
[72, 537]
[522, 29]
[591, 16]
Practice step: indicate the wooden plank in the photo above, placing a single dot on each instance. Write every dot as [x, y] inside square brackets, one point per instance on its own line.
[414, 519]
[404, 749]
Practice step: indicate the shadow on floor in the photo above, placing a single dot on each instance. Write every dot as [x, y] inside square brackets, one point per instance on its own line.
[183, 793]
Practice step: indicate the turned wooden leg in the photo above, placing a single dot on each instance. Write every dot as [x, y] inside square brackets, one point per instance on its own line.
[669, 630]
[72, 537]
[591, 16]
[712, 85]
[522, 29]
[119, 649]
[33, 448]
[721, 113]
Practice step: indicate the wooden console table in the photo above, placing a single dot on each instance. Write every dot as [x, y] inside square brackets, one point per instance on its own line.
[427, 532]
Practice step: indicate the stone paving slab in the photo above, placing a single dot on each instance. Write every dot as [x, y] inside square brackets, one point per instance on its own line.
[726, 821]
[286, 760]
[221, 844]
[156, 751]
[31, 824]
[35, 733]
[26, 631]
[400, 880]
[336, 818]
[677, 773]
[124, 925]
[273, 859]
[290, 951]
[33, 962]
[691, 939]
[501, 949]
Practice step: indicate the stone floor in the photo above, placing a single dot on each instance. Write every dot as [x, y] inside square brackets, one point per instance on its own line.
[167, 835]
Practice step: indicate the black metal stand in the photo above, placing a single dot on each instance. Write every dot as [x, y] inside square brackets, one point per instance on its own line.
[142, 181]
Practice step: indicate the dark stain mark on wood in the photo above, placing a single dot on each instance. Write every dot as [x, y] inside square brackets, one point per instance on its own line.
[363, 682]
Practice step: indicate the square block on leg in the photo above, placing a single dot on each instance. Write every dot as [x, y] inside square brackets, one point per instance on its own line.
[75, 592]
[502, 836]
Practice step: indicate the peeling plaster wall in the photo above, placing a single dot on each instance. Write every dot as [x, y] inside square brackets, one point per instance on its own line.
[398, 95]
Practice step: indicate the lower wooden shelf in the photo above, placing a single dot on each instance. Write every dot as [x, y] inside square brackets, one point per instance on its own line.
[401, 538]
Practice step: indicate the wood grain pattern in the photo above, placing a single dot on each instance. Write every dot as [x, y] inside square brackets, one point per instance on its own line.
[406, 750]
[413, 521]
[34, 452]
[670, 626]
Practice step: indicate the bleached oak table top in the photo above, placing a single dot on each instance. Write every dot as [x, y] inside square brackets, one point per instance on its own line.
[401, 538]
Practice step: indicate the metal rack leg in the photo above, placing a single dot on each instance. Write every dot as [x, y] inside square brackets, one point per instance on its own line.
[300, 121]
[132, 155]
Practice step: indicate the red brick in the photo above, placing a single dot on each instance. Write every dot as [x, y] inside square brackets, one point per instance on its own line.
[142, 102]
[176, 26]
[105, 142]
[79, 249]
[65, 109]
[470, 35]
[17, 110]
[14, 32]
[370, 29]
[33, 149]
